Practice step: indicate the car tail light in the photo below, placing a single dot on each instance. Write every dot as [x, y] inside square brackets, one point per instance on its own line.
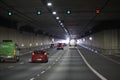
[45, 53]
[14, 52]
[33, 53]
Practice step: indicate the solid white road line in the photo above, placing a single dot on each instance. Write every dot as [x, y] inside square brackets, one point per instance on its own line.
[21, 62]
[91, 68]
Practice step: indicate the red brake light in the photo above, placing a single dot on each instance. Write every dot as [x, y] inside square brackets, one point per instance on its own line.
[33, 53]
[45, 53]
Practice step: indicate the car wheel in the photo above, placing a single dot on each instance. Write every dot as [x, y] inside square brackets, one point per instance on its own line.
[16, 59]
[2, 60]
[46, 61]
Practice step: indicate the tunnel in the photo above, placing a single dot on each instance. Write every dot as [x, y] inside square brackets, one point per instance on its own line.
[78, 39]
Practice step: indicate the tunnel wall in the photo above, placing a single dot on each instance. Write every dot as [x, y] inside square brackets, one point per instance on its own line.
[106, 42]
[26, 41]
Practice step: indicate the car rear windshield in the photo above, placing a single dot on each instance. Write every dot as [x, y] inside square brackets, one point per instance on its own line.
[60, 44]
[39, 52]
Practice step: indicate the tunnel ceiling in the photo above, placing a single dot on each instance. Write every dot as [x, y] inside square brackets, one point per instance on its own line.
[77, 18]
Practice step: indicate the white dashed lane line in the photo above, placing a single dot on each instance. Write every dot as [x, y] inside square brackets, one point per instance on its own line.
[42, 72]
[56, 59]
[48, 68]
[38, 75]
[21, 62]
[9, 67]
[32, 79]
[29, 60]
[53, 63]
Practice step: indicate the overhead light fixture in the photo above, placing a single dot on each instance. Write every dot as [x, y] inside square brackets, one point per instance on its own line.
[57, 18]
[59, 21]
[68, 12]
[49, 4]
[90, 38]
[54, 13]
[38, 12]
[61, 24]
[10, 13]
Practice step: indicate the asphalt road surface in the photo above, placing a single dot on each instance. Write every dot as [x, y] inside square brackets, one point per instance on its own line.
[68, 64]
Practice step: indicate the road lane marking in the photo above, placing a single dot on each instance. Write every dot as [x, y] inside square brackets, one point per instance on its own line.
[48, 67]
[32, 78]
[29, 59]
[53, 63]
[10, 67]
[91, 68]
[25, 53]
[38, 75]
[42, 72]
[22, 63]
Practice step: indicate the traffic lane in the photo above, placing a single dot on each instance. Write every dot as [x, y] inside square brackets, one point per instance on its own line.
[24, 59]
[11, 64]
[100, 63]
[25, 71]
[70, 67]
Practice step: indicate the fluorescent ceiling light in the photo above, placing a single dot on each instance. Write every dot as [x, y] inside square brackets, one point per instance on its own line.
[49, 4]
[68, 12]
[90, 38]
[59, 21]
[10, 13]
[38, 12]
[54, 12]
[57, 18]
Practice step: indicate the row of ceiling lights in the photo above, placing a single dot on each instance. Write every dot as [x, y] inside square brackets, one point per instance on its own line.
[49, 4]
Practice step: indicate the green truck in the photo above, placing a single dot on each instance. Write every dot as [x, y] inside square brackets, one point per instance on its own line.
[9, 51]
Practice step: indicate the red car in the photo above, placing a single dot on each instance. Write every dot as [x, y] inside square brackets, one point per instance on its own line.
[39, 56]
[60, 46]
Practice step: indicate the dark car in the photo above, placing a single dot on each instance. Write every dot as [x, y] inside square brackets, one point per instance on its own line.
[39, 56]
[52, 46]
[60, 46]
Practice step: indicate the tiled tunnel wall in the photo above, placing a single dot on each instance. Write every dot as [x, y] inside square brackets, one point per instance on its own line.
[25, 40]
[106, 42]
